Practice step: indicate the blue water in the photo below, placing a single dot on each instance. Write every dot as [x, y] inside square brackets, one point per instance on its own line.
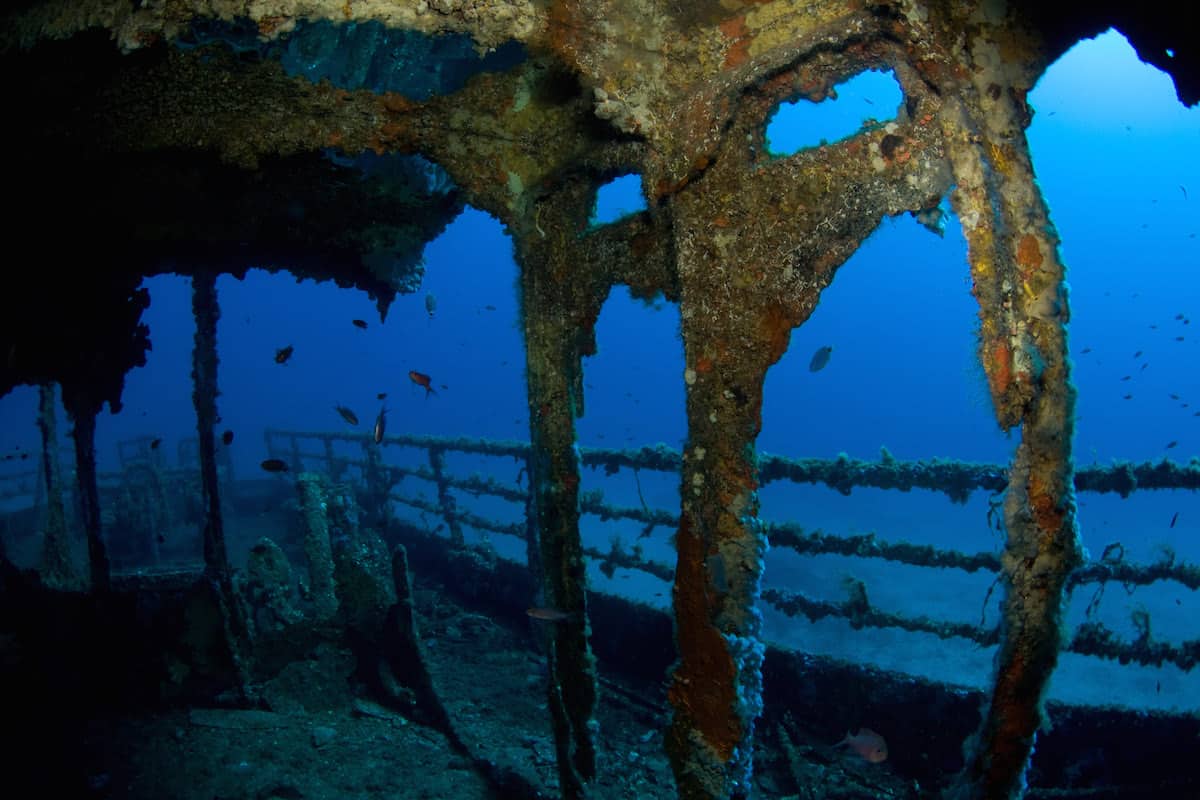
[1114, 152]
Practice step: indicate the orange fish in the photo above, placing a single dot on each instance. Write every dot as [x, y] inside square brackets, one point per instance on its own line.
[868, 744]
[422, 380]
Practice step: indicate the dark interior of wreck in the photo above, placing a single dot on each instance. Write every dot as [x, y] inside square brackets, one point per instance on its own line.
[160, 138]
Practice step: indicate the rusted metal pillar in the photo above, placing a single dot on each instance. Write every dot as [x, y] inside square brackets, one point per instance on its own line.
[204, 397]
[57, 571]
[716, 686]
[217, 571]
[84, 435]
[559, 310]
[1018, 281]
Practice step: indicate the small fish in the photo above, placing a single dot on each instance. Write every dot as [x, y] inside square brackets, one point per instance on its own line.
[1086, 350]
[347, 414]
[1174, 396]
[381, 396]
[359, 323]
[1183, 189]
[283, 354]
[154, 445]
[1179, 338]
[227, 438]
[1179, 316]
[1174, 519]
[1127, 377]
[1144, 365]
[1138, 354]
[489, 308]
[1127, 397]
[380, 425]
[1172, 444]
[820, 358]
[431, 304]
[274, 465]
[867, 744]
[548, 614]
[422, 380]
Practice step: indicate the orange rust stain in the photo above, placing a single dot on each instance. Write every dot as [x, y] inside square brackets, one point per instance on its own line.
[334, 139]
[776, 325]
[268, 25]
[1029, 253]
[704, 364]
[999, 370]
[739, 35]
[1043, 502]
[703, 689]
[565, 29]
[396, 103]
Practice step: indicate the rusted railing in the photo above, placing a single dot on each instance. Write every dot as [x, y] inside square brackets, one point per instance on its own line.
[956, 479]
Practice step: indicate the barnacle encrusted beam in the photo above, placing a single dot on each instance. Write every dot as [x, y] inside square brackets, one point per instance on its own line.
[204, 397]
[756, 240]
[217, 572]
[559, 304]
[1019, 282]
[57, 570]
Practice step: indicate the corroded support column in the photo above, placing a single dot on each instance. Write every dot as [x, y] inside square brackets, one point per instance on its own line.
[716, 686]
[559, 309]
[84, 436]
[1018, 280]
[204, 397]
[57, 571]
[217, 571]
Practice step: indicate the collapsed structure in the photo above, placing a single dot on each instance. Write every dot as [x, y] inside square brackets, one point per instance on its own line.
[212, 137]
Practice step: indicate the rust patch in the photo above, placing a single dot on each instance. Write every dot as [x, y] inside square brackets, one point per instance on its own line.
[268, 25]
[776, 325]
[702, 690]
[739, 46]
[999, 370]
[1044, 505]
[1029, 253]
[397, 103]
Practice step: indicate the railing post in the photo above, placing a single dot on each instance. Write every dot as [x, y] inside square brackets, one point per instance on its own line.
[331, 467]
[446, 502]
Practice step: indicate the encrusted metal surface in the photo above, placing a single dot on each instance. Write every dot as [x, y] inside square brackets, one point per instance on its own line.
[678, 92]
